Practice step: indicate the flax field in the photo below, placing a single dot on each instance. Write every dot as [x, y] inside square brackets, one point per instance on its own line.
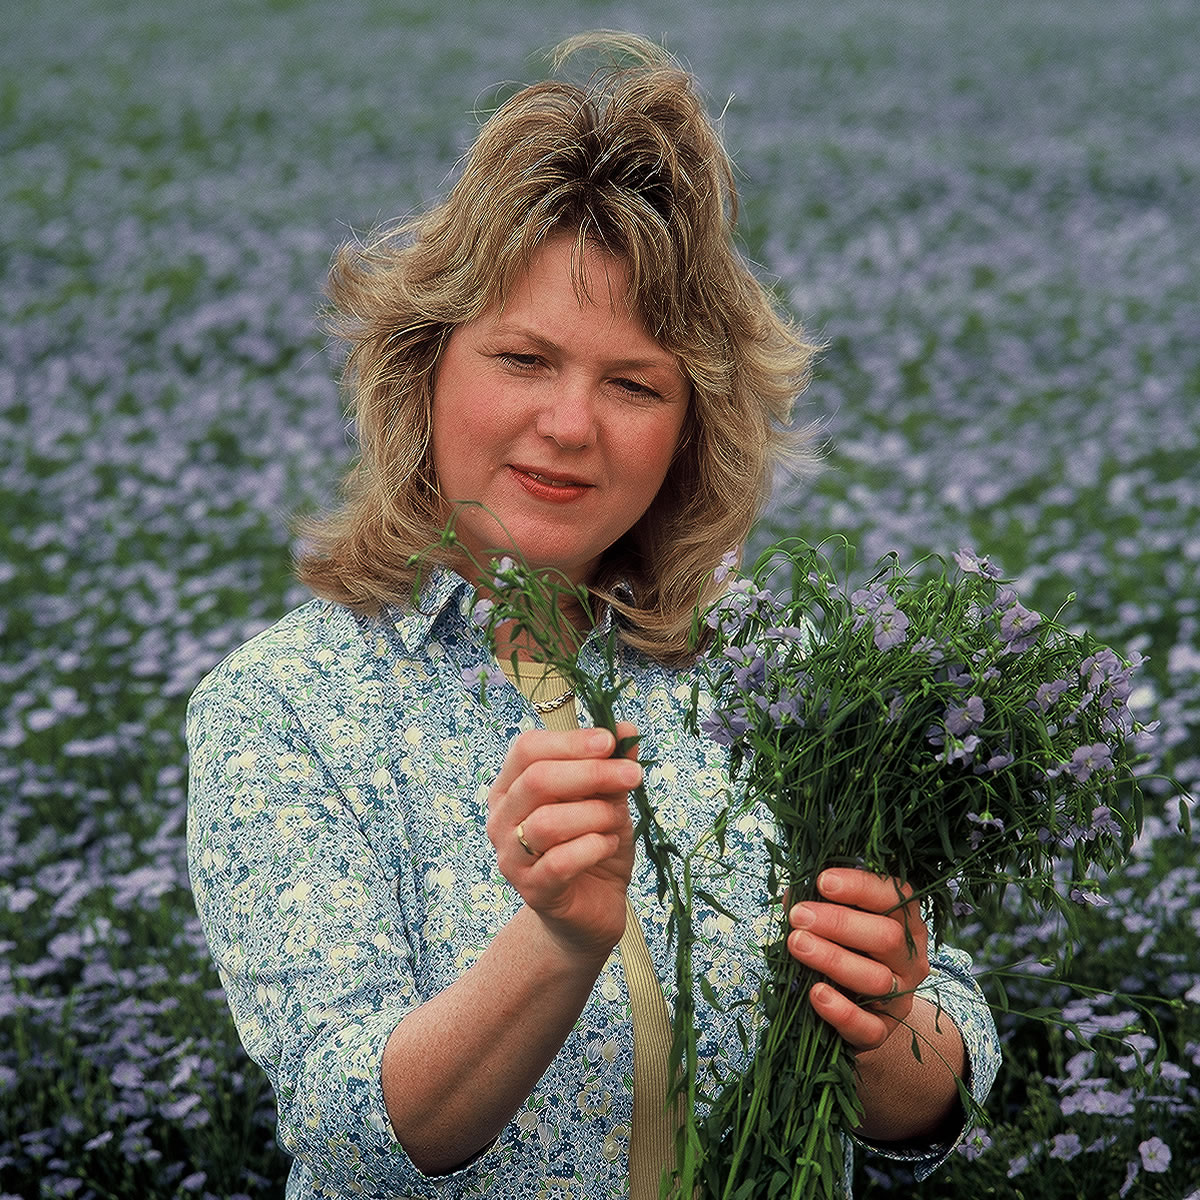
[988, 214]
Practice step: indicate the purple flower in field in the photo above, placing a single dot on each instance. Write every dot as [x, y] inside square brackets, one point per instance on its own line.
[891, 627]
[1018, 627]
[975, 1143]
[1018, 1166]
[749, 667]
[960, 720]
[957, 675]
[1065, 1146]
[1087, 760]
[1099, 668]
[127, 1075]
[997, 762]
[984, 824]
[1155, 1154]
[1089, 897]
[482, 611]
[930, 648]
[726, 567]
[725, 727]
[785, 710]
[1103, 823]
[1131, 1173]
[971, 563]
[864, 603]
[1048, 693]
[961, 751]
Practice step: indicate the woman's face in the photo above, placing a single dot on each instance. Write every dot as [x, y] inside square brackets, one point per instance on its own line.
[559, 413]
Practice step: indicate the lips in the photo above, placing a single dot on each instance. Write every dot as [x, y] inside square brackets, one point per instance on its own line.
[546, 485]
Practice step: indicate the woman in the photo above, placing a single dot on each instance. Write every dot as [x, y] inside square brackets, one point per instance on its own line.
[427, 911]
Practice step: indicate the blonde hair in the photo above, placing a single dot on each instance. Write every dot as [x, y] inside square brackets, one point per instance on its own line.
[629, 162]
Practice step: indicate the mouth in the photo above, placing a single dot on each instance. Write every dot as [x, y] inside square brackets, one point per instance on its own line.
[548, 481]
[546, 486]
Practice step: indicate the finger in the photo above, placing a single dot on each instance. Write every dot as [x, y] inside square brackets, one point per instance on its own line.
[864, 1030]
[552, 824]
[553, 781]
[895, 938]
[854, 973]
[537, 744]
[563, 862]
[862, 889]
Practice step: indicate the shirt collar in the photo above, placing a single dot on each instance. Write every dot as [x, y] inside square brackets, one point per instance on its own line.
[444, 590]
[439, 591]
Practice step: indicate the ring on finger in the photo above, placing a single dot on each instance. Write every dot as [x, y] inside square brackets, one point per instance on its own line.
[520, 831]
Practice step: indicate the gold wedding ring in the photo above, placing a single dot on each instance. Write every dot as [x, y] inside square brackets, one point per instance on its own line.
[525, 845]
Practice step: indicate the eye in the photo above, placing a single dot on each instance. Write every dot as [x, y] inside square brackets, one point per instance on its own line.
[636, 389]
[523, 362]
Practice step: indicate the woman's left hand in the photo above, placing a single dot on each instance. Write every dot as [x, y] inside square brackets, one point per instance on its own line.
[870, 941]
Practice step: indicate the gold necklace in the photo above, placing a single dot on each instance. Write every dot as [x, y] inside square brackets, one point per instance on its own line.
[542, 707]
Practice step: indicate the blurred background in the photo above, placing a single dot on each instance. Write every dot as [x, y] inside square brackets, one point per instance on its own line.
[986, 212]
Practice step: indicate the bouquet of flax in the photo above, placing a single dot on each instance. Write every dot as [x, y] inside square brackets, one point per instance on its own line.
[930, 728]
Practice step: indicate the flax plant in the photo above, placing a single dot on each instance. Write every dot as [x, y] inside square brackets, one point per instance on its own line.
[927, 727]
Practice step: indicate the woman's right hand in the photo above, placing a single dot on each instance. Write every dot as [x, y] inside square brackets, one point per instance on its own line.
[565, 795]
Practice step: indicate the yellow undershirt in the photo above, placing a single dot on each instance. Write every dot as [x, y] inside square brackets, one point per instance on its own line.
[652, 1142]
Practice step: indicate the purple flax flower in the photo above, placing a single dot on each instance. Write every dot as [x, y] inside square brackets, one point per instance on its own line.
[482, 611]
[1103, 822]
[1048, 693]
[961, 751]
[726, 567]
[1065, 1146]
[1018, 627]
[998, 762]
[866, 602]
[930, 648]
[725, 727]
[972, 564]
[984, 824]
[975, 1143]
[1156, 1155]
[1018, 1166]
[1131, 1173]
[1098, 668]
[960, 720]
[891, 627]
[1087, 760]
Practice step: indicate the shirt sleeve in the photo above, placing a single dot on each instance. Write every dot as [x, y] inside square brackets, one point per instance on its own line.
[951, 985]
[303, 923]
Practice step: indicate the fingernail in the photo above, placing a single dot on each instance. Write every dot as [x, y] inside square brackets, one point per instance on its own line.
[599, 739]
[829, 883]
[802, 917]
[802, 943]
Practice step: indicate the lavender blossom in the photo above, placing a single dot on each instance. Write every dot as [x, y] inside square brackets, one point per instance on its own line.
[971, 563]
[1018, 627]
[1089, 759]
[963, 719]
[891, 627]
[1155, 1155]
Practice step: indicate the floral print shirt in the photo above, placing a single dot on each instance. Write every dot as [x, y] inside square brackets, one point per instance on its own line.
[339, 774]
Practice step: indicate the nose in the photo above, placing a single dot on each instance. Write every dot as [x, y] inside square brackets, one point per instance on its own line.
[569, 416]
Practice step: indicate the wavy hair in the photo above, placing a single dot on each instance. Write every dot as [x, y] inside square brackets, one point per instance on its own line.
[629, 162]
